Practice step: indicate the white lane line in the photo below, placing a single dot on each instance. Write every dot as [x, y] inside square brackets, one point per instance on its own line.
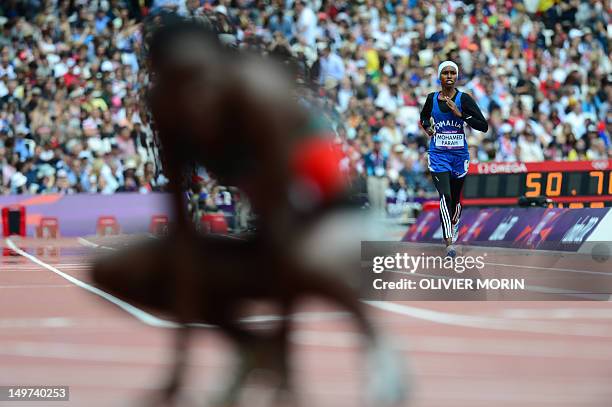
[299, 317]
[24, 267]
[460, 345]
[559, 349]
[139, 314]
[31, 266]
[498, 324]
[92, 245]
[51, 322]
[4, 287]
[599, 273]
[89, 323]
[592, 296]
[558, 313]
[152, 320]
[71, 265]
[523, 253]
[419, 313]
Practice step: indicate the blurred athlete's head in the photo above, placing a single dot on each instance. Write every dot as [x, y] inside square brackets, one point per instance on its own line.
[447, 73]
[164, 34]
[183, 58]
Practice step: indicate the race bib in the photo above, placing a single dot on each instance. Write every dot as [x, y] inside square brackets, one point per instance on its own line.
[379, 171]
[449, 140]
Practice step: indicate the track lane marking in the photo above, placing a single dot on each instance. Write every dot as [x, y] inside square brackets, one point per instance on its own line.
[152, 320]
[439, 317]
[599, 273]
[24, 286]
[496, 324]
[139, 314]
[556, 349]
[93, 245]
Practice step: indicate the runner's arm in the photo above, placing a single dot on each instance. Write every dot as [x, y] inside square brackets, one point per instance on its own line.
[472, 114]
[426, 112]
[425, 122]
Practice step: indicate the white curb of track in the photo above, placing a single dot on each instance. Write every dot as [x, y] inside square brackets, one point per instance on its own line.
[467, 321]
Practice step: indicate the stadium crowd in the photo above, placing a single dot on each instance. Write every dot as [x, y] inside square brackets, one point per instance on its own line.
[72, 81]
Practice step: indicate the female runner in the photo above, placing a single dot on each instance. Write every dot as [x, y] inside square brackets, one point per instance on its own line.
[448, 150]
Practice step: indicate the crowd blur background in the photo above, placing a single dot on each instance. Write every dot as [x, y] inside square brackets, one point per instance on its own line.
[72, 117]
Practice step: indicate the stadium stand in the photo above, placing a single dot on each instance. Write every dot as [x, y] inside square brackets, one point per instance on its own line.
[71, 82]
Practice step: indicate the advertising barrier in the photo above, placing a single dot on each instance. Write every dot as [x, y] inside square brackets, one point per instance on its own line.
[77, 215]
[560, 229]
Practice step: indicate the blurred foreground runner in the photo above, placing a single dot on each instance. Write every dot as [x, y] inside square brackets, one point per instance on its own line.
[235, 115]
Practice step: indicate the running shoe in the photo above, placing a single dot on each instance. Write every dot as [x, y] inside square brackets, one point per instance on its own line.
[451, 251]
[389, 381]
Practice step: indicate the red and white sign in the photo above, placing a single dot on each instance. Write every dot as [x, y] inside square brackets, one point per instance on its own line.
[544, 166]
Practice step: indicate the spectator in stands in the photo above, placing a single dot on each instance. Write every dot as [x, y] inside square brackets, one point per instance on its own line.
[529, 147]
[376, 170]
[331, 65]
[597, 151]
[390, 133]
[306, 23]
[507, 145]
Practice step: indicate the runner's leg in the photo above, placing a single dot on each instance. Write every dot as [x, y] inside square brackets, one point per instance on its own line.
[442, 182]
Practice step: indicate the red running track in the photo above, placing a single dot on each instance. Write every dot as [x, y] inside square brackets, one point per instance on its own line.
[462, 354]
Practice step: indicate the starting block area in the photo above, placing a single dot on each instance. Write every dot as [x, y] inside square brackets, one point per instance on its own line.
[48, 228]
[159, 225]
[107, 226]
[15, 222]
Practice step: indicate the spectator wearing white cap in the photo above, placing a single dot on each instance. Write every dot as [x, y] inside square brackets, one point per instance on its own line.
[62, 184]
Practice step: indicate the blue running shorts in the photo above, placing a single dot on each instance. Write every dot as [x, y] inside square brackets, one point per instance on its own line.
[455, 163]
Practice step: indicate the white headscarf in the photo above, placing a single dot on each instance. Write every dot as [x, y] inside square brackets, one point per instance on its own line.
[444, 65]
